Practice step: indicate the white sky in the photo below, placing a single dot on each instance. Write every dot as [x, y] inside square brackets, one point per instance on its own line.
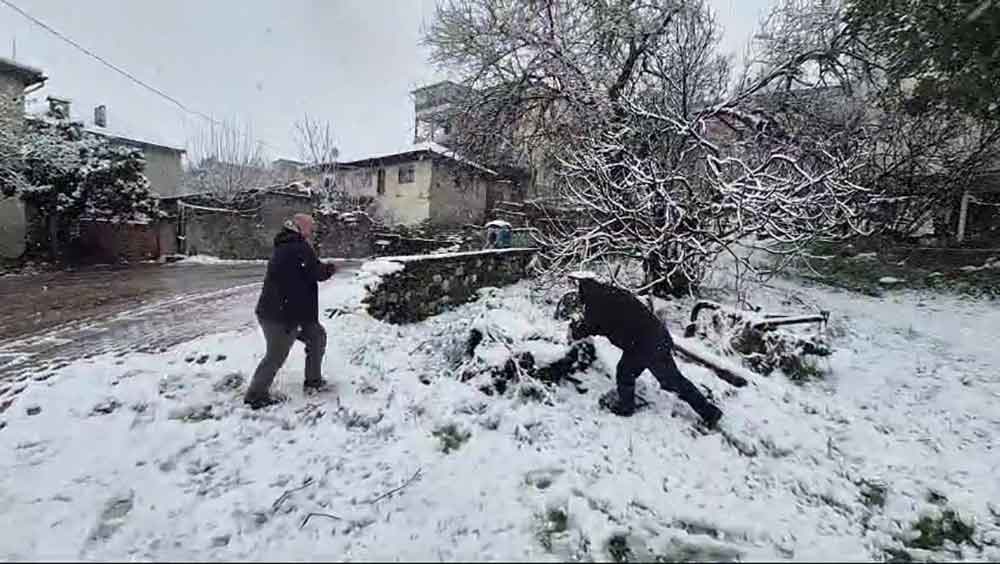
[352, 62]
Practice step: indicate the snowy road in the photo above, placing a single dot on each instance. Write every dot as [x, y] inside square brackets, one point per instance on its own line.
[58, 318]
[150, 456]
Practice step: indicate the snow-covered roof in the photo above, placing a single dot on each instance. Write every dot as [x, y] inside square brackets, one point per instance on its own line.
[120, 130]
[425, 147]
[28, 75]
[112, 134]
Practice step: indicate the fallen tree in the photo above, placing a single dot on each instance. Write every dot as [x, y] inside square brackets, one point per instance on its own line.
[755, 337]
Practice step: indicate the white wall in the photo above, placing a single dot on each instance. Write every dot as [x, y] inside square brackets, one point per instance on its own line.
[406, 204]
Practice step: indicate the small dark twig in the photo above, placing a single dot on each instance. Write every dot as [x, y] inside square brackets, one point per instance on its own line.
[277, 503]
[311, 515]
[421, 345]
[396, 490]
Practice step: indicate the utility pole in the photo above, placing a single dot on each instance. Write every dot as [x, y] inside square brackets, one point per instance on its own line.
[13, 48]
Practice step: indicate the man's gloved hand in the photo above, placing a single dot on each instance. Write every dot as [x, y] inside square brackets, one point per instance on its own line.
[328, 268]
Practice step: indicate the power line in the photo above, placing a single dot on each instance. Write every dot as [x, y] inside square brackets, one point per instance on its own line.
[108, 64]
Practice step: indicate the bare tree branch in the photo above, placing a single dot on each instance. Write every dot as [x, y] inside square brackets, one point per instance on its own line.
[227, 161]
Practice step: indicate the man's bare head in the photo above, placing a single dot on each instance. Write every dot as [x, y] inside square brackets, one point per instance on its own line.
[305, 223]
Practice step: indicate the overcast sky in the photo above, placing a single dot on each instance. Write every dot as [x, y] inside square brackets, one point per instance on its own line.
[267, 62]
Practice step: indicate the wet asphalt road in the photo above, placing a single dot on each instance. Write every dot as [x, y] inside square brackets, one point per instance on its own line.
[50, 320]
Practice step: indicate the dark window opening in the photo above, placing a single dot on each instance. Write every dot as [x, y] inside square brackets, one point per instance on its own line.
[407, 173]
[380, 187]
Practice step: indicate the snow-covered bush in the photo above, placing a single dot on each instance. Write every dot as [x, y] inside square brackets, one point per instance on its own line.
[68, 173]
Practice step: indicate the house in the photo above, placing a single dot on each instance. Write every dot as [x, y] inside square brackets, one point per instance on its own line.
[287, 168]
[433, 107]
[424, 182]
[163, 161]
[16, 81]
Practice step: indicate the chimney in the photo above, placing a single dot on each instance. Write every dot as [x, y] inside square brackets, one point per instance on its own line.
[101, 116]
[58, 107]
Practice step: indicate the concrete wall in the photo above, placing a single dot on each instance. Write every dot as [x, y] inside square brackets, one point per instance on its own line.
[409, 203]
[13, 228]
[458, 195]
[163, 169]
[431, 284]
[166, 235]
[244, 235]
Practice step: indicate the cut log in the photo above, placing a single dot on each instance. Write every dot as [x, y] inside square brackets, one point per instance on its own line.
[727, 371]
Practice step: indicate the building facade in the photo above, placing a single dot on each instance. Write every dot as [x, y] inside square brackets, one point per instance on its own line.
[16, 80]
[163, 163]
[425, 183]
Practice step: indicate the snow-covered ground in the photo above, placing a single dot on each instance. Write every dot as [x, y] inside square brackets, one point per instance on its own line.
[155, 457]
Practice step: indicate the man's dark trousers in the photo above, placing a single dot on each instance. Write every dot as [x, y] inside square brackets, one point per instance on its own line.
[658, 358]
[280, 337]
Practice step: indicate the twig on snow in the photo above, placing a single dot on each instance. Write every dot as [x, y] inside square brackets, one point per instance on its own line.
[314, 514]
[421, 345]
[397, 489]
[277, 503]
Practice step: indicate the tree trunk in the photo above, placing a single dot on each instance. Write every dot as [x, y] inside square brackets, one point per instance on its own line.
[52, 224]
[675, 285]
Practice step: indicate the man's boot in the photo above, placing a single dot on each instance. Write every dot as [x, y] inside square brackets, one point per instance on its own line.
[267, 400]
[318, 386]
[710, 415]
[614, 404]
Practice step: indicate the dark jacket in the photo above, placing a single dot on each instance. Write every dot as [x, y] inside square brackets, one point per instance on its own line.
[290, 294]
[618, 315]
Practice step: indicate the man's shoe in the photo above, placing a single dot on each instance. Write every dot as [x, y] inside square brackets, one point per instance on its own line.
[260, 402]
[316, 386]
[613, 403]
[711, 416]
[622, 409]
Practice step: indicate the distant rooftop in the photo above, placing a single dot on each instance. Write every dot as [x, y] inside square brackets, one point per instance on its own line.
[428, 147]
[28, 75]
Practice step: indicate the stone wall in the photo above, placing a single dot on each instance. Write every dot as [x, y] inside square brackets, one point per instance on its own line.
[234, 234]
[430, 284]
[347, 235]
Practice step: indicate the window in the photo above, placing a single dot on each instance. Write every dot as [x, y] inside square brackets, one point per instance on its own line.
[380, 188]
[407, 173]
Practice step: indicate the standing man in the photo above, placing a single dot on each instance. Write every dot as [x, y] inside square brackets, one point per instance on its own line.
[288, 309]
[645, 343]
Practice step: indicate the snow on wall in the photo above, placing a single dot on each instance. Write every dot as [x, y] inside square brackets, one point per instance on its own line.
[420, 286]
